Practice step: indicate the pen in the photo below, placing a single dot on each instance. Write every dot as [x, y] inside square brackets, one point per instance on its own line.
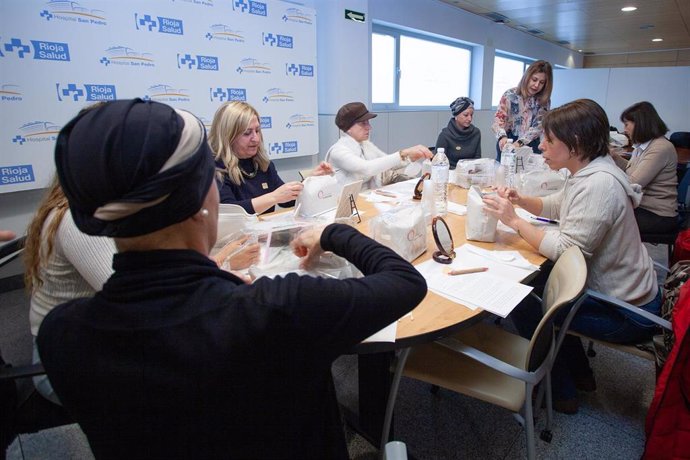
[466, 271]
[388, 194]
[544, 219]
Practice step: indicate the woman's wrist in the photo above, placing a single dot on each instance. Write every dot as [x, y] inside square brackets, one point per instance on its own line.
[402, 154]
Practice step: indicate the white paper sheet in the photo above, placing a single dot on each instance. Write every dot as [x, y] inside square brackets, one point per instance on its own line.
[387, 334]
[497, 290]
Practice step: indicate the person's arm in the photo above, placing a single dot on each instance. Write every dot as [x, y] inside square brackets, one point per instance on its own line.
[591, 212]
[331, 316]
[7, 235]
[343, 158]
[228, 195]
[621, 162]
[285, 195]
[478, 154]
[91, 256]
[502, 208]
[501, 117]
[647, 168]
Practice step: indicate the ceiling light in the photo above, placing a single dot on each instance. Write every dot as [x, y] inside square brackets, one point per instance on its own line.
[628, 8]
[657, 39]
[579, 51]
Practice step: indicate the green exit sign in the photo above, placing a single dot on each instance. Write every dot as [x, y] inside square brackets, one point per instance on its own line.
[354, 16]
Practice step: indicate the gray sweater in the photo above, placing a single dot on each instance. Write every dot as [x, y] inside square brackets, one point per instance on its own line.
[595, 209]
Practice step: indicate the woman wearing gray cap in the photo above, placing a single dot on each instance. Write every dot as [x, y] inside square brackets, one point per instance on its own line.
[461, 139]
[354, 157]
[175, 357]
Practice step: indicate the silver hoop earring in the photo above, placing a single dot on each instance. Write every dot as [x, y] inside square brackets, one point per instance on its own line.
[204, 212]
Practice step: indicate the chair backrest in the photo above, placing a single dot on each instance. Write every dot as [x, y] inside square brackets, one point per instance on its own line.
[680, 139]
[11, 250]
[683, 186]
[565, 284]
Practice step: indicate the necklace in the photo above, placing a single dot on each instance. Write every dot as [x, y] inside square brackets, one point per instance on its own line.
[250, 175]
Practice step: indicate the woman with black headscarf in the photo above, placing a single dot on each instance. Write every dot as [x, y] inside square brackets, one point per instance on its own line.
[461, 139]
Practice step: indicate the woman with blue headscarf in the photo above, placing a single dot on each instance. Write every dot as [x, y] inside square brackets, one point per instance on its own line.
[461, 139]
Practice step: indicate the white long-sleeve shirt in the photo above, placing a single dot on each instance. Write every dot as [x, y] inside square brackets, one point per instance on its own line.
[78, 266]
[364, 161]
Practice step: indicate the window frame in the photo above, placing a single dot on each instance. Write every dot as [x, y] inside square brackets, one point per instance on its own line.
[381, 29]
[526, 62]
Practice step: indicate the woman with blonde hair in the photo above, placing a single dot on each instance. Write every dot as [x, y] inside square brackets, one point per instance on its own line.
[249, 177]
[62, 264]
[521, 109]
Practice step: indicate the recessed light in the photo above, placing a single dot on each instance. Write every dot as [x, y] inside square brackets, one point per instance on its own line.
[657, 39]
[628, 8]
[579, 51]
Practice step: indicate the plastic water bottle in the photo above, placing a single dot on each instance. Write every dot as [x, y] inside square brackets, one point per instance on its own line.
[508, 162]
[426, 167]
[440, 168]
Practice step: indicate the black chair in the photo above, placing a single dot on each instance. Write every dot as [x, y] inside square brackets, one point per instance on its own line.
[22, 408]
[680, 139]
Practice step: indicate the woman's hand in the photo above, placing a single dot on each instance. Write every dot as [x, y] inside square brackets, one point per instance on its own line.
[415, 153]
[510, 194]
[307, 244]
[323, 169]
[501, 208]
[238, 255]
[502, 142]
[286, 192]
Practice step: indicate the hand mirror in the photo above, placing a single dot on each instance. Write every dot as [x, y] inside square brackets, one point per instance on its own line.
[420, 186]
[444, 241]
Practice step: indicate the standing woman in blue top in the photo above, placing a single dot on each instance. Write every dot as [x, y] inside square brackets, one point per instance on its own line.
[521, 109]
[461, 139]
[249, 178]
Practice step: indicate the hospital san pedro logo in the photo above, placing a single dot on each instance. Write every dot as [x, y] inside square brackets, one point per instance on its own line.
[36, 49]
[278, 148]
[125, 56]
[278, 95]
[166, 93]
[299, 121]
[297, 15]
[253, 66]
[89, 92]
[36, 131]
[197, 62]
[159, 24]
[250, 7]
[74, 12]
[220, 94]
[10, 93]
[196, 2]
[222, 32]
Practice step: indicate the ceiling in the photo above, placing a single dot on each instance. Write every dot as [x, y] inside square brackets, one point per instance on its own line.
[595, 26]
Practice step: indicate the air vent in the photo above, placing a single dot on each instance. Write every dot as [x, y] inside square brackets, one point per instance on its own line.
[563, 42]
[535, 31]
[589, 53]
[497, 17]
[646, 26]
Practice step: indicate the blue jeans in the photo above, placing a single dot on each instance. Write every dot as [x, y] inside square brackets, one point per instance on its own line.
[593, 319]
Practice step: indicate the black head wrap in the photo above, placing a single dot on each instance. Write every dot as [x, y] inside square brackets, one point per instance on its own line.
[460, 105]
[131, 167]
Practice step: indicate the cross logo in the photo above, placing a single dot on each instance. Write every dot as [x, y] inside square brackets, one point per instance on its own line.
[187, 60]
[147, 21]
[46, 14]
[276, 148]
[17, 43]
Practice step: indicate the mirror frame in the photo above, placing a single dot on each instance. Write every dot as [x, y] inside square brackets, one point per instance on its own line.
[420, 186]
[442, 256]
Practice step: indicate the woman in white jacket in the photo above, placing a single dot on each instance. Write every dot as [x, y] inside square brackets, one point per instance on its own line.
[354, 157]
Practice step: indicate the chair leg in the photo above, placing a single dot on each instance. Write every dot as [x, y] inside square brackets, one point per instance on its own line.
[529, 422]
[590, 350]
[546, 434]
[392, 395]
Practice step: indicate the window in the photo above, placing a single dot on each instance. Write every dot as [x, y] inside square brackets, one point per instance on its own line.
[412, 70]
[508, 71]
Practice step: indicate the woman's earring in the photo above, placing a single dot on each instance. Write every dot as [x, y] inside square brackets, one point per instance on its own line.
[204, 212]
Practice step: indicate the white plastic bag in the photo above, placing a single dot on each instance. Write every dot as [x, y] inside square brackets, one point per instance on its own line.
[540, 182]
[402, 229]
[320, 194]
[479, 225]
[479, 172]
